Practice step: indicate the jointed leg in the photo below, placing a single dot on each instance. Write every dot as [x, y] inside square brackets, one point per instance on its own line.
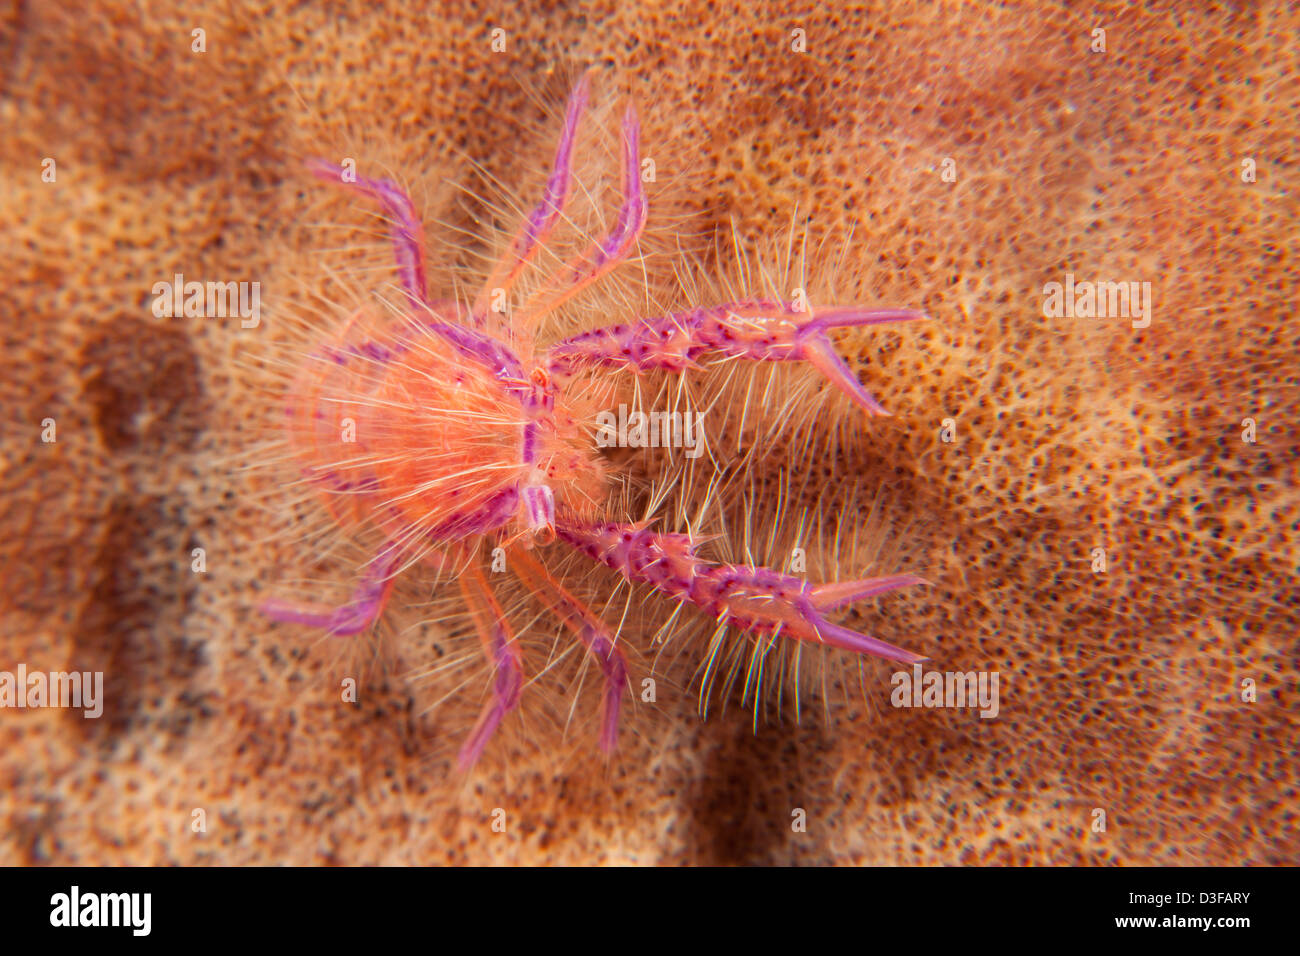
[589, 629]
[541, 221]
[407, 230]
[762, 331]
[605, 253]
[367, 603]
[755, 599]
[501, 651]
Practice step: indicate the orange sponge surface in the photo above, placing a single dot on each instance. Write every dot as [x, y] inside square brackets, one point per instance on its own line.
[1106, 510]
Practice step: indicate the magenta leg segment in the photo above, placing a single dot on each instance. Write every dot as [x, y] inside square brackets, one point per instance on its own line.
[367, 602]
[589, 629]
[760, 331]
[755, 599]
[632, 216]
[606, 253]
[542, 220]
[614, 669]
[406, 228]
[500, 648]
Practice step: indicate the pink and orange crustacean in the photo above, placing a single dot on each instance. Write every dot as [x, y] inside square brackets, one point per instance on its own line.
[461, 434]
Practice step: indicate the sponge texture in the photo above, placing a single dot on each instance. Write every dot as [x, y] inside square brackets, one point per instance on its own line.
[949, 157]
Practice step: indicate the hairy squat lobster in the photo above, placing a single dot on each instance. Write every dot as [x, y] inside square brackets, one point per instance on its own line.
[467, 430]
